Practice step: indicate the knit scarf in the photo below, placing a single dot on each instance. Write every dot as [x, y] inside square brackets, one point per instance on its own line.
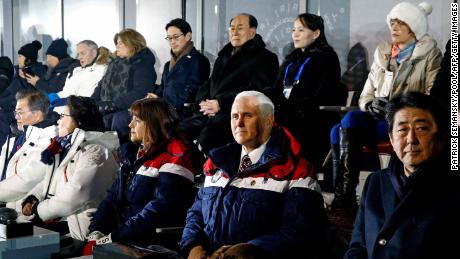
[184, 51]
[59, 145]
[115, 81]
[402, 55]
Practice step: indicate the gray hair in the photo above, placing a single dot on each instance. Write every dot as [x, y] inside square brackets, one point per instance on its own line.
[266, 106]
[91, 44]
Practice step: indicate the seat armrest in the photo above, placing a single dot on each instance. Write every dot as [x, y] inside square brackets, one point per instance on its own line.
[338, 108]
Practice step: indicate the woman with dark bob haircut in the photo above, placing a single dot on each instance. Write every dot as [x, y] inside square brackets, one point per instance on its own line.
[83, 168]
[309, 78]
[85, 113]
[156, 189]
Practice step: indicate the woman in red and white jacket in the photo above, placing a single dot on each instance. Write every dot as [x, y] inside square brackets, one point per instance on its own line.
[157, 188]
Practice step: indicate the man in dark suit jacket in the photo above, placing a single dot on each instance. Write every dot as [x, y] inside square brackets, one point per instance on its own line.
[411, 209]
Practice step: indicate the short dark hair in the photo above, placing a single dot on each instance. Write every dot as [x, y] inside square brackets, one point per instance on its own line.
[419, 101]
[314, 22]
[252, 20]
[85, 112]
[181, 24]
[161, 119]
[36, 100]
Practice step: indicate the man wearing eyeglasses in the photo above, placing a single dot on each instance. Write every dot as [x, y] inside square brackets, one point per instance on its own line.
[20, 164]
[243, 64]
[185, 72]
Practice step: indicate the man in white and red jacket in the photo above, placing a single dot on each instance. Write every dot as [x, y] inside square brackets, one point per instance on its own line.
[260, 198]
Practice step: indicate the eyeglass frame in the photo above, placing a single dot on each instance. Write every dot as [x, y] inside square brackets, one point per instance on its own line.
[17, 113]
[62, 115]
[174, 37]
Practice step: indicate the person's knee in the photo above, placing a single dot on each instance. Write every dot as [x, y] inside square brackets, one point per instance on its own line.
[356, 119]
[335, 134]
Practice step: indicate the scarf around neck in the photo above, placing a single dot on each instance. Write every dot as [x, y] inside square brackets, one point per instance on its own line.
[183, 52]
[59, 145]
[402, 55]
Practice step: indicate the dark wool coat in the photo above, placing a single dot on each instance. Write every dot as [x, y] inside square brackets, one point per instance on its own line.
[253, 67]
[141, 79]
[180, 85]
[423, 222]
[319, 84]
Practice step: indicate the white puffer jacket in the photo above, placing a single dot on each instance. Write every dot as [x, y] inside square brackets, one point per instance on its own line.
[24, 169]
[74, 189]
[416, 74]
[83, 80]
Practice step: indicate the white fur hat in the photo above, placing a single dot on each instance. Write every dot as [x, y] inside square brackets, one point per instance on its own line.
[413, 15]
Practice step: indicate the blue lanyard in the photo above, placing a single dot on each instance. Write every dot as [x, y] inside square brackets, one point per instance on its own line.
[297, 76]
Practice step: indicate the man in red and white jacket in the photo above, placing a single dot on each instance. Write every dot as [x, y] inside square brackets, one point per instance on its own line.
[267, 206]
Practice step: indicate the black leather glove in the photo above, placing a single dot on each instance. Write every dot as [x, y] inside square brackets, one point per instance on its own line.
[29, 199]
[106, 107]
[377, 106]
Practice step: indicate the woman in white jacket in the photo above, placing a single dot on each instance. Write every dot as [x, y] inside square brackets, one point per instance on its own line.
[407, 63]
[84, 168]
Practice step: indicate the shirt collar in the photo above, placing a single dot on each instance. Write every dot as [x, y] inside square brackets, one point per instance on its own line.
[255, 154]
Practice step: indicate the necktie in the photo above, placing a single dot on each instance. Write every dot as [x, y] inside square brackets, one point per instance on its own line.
[245, 163]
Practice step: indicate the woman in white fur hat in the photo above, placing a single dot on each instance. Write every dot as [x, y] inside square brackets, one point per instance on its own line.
[409, 62]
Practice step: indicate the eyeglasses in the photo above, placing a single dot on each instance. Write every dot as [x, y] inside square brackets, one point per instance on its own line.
[174, 37]
[19, 113]
[62, 115]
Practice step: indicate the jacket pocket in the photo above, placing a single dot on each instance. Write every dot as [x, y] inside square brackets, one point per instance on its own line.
[260, 211]
[208, 202]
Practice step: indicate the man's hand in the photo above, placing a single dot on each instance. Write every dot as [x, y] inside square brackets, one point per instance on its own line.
[209, 107]
[27, 208]
[28, 205]
[197, 253]
[32, 79]
[238, 251]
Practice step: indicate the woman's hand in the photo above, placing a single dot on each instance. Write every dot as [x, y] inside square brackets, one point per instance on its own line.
[32, 79]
